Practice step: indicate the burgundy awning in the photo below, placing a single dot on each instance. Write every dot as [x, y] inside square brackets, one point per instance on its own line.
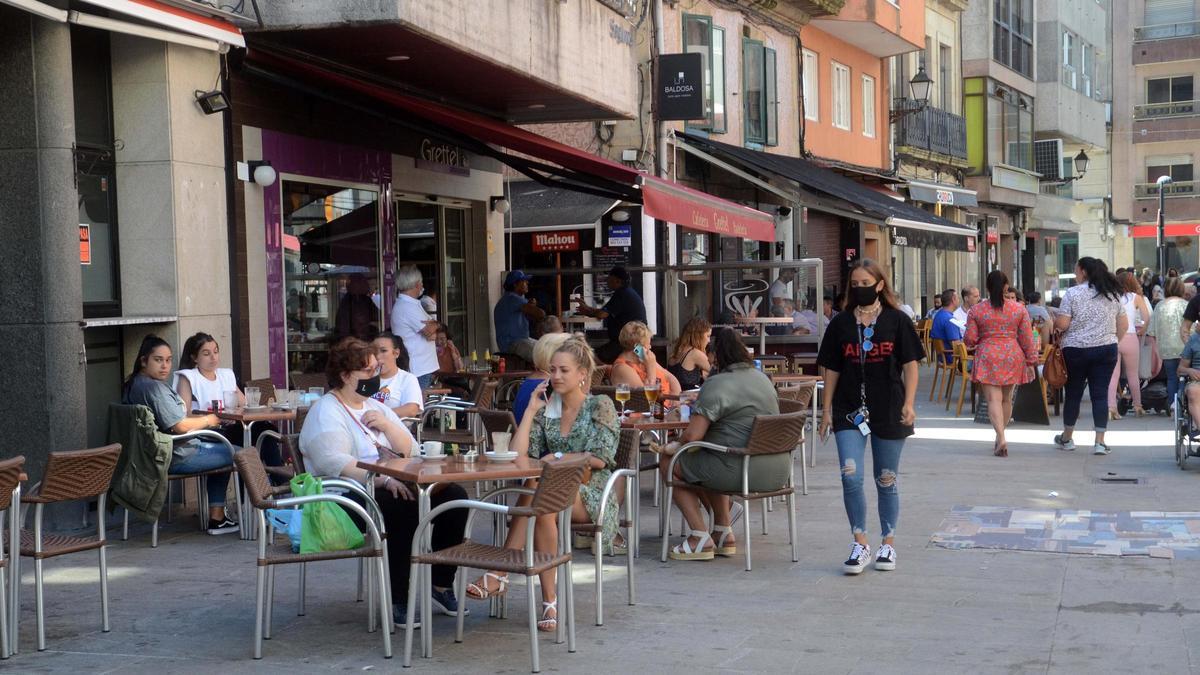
[701, 211]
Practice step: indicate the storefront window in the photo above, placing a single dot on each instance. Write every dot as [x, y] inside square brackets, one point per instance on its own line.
[331, 268]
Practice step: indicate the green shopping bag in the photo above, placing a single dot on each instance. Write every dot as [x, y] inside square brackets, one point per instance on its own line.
[325, 526]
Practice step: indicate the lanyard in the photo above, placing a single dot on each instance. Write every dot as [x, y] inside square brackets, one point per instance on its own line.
[865, 346]
[379, 447]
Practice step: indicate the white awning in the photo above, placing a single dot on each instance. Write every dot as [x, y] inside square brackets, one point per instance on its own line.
[194, 23]
[39, 8]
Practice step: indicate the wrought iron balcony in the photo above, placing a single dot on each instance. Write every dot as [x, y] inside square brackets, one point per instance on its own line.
[1170, 109]
[1166, 31]
[1184, 188]
[931, 129]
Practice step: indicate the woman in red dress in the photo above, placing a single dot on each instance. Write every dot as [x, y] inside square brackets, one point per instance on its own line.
[1004, 352]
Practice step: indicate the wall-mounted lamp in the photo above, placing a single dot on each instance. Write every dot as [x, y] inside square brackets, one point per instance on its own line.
[1081, 167]
[619, 216]
[500, 205]
[212, 102]
[258, 172]
[920, 86]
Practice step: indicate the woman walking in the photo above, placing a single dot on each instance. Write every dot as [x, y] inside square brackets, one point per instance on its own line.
[1166, 324]
[871, 356]
[1091, 320]
[1005, 355]
[1129, 347]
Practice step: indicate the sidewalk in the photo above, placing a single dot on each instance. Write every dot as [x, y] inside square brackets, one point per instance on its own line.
[188, 605]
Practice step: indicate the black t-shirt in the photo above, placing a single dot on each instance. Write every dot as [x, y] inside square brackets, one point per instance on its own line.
[896, 344]
[1192, 311]
[624, 306]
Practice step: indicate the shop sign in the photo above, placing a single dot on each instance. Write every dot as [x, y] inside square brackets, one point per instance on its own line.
[945, 197]
[620, 235]
[85, 244]
[554, 242]
[1172, 230]
[443, 158]
[970, 244]
[851, 254]
[680, 87]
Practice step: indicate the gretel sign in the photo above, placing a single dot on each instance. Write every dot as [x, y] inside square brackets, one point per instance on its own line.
[551, 242]
[443, 158]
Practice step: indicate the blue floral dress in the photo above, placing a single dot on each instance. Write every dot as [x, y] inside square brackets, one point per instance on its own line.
[596, 430]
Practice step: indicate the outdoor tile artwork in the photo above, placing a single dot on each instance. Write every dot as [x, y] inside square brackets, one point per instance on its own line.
[1157, 534]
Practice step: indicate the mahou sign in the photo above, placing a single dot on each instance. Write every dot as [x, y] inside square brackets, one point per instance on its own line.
[550, 242]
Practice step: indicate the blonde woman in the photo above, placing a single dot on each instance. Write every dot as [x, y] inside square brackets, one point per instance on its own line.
[637, 366]
[543, 351]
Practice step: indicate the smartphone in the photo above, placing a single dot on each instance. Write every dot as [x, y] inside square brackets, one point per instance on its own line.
[639, 351]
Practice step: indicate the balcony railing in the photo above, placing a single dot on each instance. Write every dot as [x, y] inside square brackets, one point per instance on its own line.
[1183, 188]
[1166, 31]
[1171, 109]
[931, 129]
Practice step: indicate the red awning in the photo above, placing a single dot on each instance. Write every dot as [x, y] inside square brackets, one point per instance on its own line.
[701, 211]
[1171, 230]
[193, 23]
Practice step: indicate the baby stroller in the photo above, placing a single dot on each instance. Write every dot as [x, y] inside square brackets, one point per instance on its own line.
[1186, 444]
[1154, 395]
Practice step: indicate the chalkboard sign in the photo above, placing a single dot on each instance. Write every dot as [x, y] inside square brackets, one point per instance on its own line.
[1029, 404]
[981, 411]
[605, 258]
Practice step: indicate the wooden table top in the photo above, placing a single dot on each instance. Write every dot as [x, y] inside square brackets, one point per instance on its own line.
[762, 320]
[793, 378]
[266, 414]
[644, 423]
[435, 391]
[454, 469]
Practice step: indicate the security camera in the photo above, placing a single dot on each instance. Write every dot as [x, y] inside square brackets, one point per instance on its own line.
[784, 211]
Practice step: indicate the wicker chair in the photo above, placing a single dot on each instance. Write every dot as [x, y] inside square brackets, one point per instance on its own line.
[10, 485]
[306, 380]
[266, 386]
[70, 476]
[789, 406]
[627, 470]
[600, 375]
[270, 555]
[770, 435]
[556, 493]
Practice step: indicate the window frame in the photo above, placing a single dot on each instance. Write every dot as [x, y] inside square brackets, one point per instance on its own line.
[721, 125]
[710, 75]
[1013, 33]
[869, 98]
[1070, 67]
[834, 116]
[748, 45]
[812, 79]
[1170, 79]
[771, 95]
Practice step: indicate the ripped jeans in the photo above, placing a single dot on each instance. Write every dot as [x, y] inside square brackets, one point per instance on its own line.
[885, 460]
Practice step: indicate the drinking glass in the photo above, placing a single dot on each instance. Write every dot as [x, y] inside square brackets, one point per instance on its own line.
[652, 391]
[253, 396]
[281, 396]
[622, 395]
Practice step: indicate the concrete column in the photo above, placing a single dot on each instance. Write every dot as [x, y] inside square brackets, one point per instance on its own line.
[42, 380]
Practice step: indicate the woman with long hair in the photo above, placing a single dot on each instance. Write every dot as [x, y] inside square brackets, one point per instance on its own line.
[1129, 347]
[1166, 323]
[1005, 355]
[688, 361]
[871, 355]
[1091, 321]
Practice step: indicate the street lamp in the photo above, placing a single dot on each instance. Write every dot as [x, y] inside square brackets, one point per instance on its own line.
[1162, 183]
[920, 86]
[1081, 167]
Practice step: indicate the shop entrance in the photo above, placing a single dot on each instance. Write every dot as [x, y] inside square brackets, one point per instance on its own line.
[434, 237]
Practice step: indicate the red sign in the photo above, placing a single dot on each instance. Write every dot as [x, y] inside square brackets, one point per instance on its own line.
[701, 211]
[1172, 230]
[550, 242]
[970, 244]
[85, 244]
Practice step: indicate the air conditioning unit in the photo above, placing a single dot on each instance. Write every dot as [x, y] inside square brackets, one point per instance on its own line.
[1047, 159]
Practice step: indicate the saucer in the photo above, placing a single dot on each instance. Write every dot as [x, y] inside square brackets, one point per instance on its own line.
[500, 457]
[253, 408]
[281, 406]
[433, 458]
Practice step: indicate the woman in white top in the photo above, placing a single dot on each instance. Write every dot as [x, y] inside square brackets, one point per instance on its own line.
[398, 388]
[1090, 320]
[201, 382]
[347, 425]
[1129, 347]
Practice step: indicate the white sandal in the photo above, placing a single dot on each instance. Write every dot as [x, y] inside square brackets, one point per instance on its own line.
[548, 624]
[685, 551]
[482, 593]
[720, 548]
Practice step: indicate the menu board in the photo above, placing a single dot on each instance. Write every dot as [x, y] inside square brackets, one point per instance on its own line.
[604, 258]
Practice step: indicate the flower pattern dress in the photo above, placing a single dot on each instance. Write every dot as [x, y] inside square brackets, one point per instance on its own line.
[596, 430]
[1003, 341]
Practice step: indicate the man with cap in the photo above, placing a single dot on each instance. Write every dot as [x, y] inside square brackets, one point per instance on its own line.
[513, 314]
[624, 306]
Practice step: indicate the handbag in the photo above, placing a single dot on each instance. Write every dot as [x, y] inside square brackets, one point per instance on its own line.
[324, 525]
[1055, 371]
[1149, 362]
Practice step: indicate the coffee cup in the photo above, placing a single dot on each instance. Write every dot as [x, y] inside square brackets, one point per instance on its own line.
[500, 441]
[432, 449]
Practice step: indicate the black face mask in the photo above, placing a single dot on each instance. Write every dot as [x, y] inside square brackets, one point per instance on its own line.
[368, 387]
[863, 296]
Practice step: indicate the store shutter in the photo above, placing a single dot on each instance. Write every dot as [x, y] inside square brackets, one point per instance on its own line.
[1160, 12]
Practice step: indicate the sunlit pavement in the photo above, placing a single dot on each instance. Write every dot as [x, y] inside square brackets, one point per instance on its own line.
[188, 605]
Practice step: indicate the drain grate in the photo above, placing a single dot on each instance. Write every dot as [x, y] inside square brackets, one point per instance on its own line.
[1115, 479]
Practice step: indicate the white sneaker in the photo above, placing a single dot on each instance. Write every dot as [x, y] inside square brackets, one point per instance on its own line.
[1059, 443]
[1101, 449]
[857, 562]
[885, 559]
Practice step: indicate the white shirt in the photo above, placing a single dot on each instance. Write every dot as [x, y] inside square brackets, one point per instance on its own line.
[400, 389]
[331, 436]
[204, 390]
[960, 318]
[408, 319]
[907, 309]
[805, 319]
[779, 289]
[1129, 304]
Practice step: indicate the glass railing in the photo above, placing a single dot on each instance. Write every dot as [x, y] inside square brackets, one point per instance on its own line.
[1184, 188]
[1166, 31]
[1169, 109]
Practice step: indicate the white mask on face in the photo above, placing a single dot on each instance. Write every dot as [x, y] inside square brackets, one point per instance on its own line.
[554, 406]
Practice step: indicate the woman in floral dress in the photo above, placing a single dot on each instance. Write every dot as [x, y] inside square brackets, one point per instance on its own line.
[1004, 353]
[592, 427]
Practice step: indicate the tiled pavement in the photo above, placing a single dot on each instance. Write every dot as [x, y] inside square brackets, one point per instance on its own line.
[188, 605]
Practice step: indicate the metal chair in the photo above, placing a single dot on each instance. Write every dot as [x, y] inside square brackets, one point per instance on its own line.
[481, 400]
[70, 476]
[627, 470]
[556, 493]
[262, 497]
[770, 435]
[10, 491]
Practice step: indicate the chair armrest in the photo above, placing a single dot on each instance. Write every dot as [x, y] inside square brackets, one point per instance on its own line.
[265, 435]
[703, 444]
[206, 434]
[358, 489]
[473, 504]
[344, 502]
[609, 486]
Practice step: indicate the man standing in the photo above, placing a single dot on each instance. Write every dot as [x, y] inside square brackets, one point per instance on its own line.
[624, 306]
[944, 327]
[779, 287]
[969, 298]
[413, 325]
[513, 314]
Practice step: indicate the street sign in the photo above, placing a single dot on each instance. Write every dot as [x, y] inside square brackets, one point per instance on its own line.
[552, 242]
[680, 87]
[620, 235]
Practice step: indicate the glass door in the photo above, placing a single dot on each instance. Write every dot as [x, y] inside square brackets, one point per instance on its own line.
[434, 238]
[455, 311]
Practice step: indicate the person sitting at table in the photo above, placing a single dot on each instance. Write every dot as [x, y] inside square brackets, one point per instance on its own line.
[723, 414]
[637, 366]
[147, 385]
[398, 388]
[450, 362]
[347, 426]
[542, 353]
[944, 327]
[623, 306]
[200, 381]
[513, 314]
[590, 425]
[689, 357]
[550, 324]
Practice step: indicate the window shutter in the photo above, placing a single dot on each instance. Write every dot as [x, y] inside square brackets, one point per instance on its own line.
[1169, 11]
[771, 108]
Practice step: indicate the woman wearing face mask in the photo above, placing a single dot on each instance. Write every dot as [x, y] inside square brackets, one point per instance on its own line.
[147, 385]
[348, 425]
[572, 421]
[871, 356]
